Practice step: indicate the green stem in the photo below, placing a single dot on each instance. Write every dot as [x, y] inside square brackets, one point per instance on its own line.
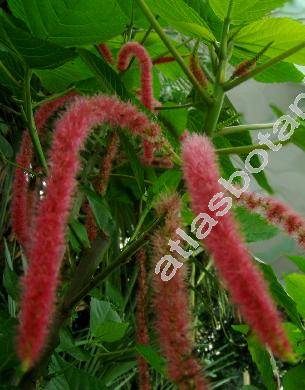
[177, 47]
[241, 128]
[27, 101]
[150, 16]
[214, 113]
[54, 97]
[259, 69]
[246, 149]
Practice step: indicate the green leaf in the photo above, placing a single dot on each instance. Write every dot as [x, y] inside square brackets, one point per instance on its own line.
[117, 370]
[57, 80]
[279, 294]
[67, 344]
[37, 53]
[110, 331]
[254, 226]
[5, 148]
[295, 285]
[108, 79]
[74, 22]
[296, 338]
[282, 32]
[7, 335]
[294, 379]
[80, 232]
[298, 261]
[152, 357]
[262, 360]
[298, 137]
[166, 182]
[245, 10]
[182, 17]
[101, 312]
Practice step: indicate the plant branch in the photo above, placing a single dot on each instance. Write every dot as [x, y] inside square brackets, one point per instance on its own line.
[150, 16]
[259, 69]
[214, 113]
[177, 47]
[241, 128]
[54, 97]
[247, 148]
[27, 101]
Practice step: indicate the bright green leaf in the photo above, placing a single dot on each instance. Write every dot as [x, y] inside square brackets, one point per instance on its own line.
[299, 261]
[294, 379]
[295, 285]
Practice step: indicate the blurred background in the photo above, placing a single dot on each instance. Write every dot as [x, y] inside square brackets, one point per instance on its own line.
[286, 168]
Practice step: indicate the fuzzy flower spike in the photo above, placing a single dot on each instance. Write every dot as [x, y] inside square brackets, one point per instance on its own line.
[134, 49]
[48, 246]
[23, 200]
[277, 213]
[246, 285]
[171, 304]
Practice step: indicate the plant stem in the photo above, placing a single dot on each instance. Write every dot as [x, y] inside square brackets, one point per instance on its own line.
[214, 113]
[247, 148]
[150, 16]
[27, 101]
[177, 47]
[53, 97]
[241, 128]
[259, 69]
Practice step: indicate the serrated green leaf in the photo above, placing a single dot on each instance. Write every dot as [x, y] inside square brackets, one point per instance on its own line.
[284, 34]
[74, 22]
[110, 331]
[100, 312]
[244, 10]
[182, 17]
[37, 53]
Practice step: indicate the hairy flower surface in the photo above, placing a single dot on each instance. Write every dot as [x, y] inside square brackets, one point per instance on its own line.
[245, 283]
[277, 213]
[48, 246]
[111, 152]
[171, 303]
[23, 200]
[106, 53]
[141, 318]
[163, 60]
[135, 49]
[197, 71]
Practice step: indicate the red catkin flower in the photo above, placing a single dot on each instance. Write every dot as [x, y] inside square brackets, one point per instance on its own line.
[48, 246]
[141, 318]
[106, 53]
[171, 304]
[243, 68]
[135, 49]
[163, 60]
[197, 71]
[90, 224]
[111, 152]
[23, 199]
[277, 212]
[245, 283]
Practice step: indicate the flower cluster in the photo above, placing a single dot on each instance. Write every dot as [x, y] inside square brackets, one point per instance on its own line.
[246, 285]
[106, 53]
[277, 212]
[171, 305]
[48, 234]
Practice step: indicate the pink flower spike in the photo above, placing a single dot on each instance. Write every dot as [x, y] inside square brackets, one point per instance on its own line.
[135, 49]
[21, 207]
[48, 246]
[245, 283]
[111, 152]
[277, 213]
[106, 53]
[141, 318]
[171, 304]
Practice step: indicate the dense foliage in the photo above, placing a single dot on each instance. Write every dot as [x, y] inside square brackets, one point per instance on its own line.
[115, 84]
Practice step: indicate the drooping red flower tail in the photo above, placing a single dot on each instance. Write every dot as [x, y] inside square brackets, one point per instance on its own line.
[171, 304]
[277, 212]
[48, 246]
[111, 152]
[20, 202]
[163, 60]
[135, 49]
[141, 317]
[197, 70]
[106, 53]
[90, 223]
[245, 283]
